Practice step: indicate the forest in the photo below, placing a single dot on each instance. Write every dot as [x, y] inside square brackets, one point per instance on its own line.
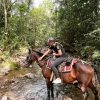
[27, 24]
[75, 23]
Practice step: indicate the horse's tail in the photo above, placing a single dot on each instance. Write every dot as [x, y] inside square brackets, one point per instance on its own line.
[96, 82]
[97, 71]
[95, 67]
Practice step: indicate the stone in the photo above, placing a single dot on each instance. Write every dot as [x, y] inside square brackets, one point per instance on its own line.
[5, 97]
[29, 75]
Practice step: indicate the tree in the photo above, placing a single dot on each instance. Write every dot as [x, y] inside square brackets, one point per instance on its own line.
[76, 19]
[26, 25]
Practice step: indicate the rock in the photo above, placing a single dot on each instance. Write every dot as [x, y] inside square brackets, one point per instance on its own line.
[4, 71]
[29, 75]
[66, 98]
[5, 98]
[1, 60]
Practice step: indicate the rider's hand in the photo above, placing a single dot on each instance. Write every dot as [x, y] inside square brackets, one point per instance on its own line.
[40, 59]
[54, 54]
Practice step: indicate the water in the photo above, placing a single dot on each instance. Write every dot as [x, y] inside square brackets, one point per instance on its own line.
[35, 89]
[22, 88]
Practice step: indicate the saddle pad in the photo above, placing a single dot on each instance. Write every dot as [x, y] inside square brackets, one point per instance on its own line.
[65, 69]
[62, 67]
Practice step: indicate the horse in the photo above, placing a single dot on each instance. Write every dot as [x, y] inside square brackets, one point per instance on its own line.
[81, 72]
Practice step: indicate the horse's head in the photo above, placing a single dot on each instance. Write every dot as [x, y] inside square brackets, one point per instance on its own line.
[32, 57]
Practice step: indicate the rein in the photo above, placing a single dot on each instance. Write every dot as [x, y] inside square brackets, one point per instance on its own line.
[36, 56]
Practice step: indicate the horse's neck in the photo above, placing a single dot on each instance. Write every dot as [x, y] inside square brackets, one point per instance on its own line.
[41, 63]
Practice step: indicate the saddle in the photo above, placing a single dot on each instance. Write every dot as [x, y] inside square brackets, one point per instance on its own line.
[65, 66]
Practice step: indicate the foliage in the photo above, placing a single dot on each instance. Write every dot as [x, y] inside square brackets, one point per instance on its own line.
[96, 54]
[9, 64]
[75, 23]
[26, 26]
[78, 25]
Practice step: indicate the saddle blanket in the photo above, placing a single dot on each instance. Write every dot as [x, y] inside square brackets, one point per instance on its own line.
[62, 67]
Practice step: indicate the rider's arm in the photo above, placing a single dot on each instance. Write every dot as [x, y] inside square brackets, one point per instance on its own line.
[46, 53]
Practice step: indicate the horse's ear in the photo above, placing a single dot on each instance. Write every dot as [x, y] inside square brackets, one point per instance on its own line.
[29, 51]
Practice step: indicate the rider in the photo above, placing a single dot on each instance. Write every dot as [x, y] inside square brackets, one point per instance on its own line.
[59, 54]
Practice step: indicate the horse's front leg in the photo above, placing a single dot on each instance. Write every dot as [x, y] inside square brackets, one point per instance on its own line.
[48, 89]
[52, 90]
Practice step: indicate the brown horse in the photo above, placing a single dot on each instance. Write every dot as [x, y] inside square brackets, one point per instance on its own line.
[82, 72]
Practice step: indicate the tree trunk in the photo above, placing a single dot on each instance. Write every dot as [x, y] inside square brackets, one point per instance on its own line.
[5, 14]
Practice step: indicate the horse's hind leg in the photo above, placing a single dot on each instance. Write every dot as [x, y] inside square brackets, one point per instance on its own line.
[93, 88]
[84, 91]
[85, 95]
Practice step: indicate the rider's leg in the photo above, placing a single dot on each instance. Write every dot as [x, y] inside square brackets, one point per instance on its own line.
[55, 70]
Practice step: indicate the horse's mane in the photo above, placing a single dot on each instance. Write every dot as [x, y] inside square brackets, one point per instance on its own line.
[39, 53]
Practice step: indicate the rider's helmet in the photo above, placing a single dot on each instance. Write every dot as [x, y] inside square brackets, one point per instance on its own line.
[51, 39]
